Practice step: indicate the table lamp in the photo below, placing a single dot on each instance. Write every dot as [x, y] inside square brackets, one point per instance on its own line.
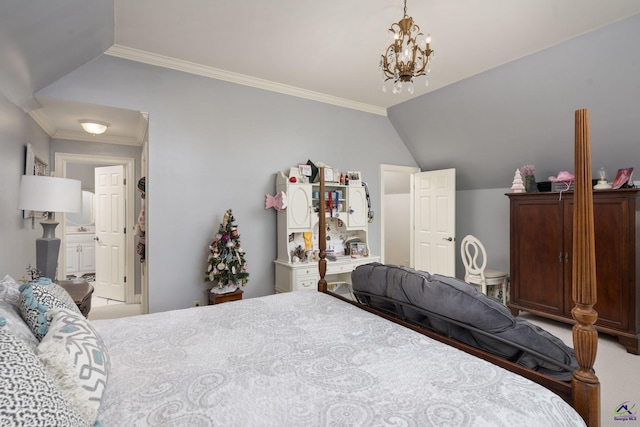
[602, 184]
[48, 194]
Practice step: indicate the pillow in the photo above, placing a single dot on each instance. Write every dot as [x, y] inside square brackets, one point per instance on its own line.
[10, 311]
[458, 300]
[37, 299]
[29, 396]
[9, 291]
[74, 354]
[443, 295]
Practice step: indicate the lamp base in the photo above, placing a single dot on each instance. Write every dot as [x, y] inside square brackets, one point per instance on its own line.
[602, 185]
[47, 249]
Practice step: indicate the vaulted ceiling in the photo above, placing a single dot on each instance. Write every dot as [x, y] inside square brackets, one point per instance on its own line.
[324, 50]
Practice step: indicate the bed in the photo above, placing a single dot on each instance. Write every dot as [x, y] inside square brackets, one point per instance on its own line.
[293, 359]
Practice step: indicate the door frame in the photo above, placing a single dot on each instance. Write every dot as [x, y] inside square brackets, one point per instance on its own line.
[61, 161]
[409, 170]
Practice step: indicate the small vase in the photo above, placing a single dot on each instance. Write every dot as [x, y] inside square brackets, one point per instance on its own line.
[530, 184]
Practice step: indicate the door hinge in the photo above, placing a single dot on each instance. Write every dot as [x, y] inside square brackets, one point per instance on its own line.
[125, 230]
[124, 181]
[125, 279]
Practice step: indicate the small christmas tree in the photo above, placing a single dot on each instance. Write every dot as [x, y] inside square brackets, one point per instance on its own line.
[518, 185]
[227, 266]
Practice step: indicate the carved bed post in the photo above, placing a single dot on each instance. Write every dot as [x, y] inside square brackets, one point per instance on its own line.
[585, 384]
[322, 235]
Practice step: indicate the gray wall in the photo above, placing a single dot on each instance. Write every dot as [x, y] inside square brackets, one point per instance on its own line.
[17, 238]
[523, 112]
[214, 145]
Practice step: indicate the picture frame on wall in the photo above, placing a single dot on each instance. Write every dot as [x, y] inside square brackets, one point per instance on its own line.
[35, 164]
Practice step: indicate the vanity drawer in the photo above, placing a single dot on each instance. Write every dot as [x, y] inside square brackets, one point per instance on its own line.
[306, 282]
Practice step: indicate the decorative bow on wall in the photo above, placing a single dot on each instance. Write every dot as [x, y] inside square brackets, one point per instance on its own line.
[278, 202]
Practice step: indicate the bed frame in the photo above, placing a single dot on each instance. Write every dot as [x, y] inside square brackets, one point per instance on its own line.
[583, 392]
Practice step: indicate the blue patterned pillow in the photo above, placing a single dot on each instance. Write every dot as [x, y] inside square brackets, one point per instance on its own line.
[29, 396]
[37, 299]
[74, 354]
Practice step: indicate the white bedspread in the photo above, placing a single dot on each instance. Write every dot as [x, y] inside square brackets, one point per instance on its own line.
[305, 359]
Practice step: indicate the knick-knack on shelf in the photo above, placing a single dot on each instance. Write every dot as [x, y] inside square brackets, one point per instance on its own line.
[517, 184]
[530, 185]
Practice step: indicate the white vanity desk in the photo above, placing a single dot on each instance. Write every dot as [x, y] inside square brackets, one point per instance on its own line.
[80, 245]
[299, 276]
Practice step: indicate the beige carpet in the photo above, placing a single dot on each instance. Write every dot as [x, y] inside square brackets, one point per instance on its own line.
[114, 311]
[618, 371]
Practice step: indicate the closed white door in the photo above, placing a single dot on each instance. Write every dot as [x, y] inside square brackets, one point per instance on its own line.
[110, 232]
[434, 222]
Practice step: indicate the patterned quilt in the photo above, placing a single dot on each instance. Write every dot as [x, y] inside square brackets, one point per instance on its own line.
[304, 359]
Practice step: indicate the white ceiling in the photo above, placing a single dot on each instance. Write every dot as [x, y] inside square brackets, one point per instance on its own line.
[329, 50]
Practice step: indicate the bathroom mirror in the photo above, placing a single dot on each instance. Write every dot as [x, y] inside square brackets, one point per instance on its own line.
[85, 216]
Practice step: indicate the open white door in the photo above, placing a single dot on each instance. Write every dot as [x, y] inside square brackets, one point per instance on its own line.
[435, 222]
[110, 232]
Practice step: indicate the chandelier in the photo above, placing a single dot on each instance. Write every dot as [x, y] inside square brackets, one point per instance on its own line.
[408, 56]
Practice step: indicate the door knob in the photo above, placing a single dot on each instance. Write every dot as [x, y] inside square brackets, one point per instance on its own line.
[450, 239]
[97, 239]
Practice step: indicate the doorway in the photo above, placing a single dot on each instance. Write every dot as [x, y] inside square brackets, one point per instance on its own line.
[63, 162]
[415, 204]
[396, 218]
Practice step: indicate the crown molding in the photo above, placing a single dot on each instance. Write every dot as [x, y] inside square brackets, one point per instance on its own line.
[242, 79]
[104, 138]
[43, 121]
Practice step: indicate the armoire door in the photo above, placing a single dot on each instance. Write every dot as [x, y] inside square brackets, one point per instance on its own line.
[537, 255]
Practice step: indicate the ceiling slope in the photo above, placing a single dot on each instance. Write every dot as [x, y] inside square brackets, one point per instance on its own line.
[42, 41]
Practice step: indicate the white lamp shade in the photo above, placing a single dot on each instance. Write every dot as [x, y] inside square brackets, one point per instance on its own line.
[49, 194]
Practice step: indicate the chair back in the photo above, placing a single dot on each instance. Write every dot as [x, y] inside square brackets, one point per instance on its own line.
[474, 258]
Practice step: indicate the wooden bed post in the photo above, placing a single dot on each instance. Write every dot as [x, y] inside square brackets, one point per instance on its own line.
[585, 384]
[322, 235]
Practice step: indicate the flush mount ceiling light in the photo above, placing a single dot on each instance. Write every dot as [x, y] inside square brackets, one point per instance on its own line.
[94, 127]
[409, 55]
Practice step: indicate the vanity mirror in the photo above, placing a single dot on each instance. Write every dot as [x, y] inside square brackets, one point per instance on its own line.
[86, 216]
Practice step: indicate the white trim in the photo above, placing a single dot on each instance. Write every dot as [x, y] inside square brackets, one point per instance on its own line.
[242, 79]
[61, 161]
[41, 118]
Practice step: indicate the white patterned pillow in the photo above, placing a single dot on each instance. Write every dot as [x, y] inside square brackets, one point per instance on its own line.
[9, 291]
[29, 396]
[74, 354]
[37, 299]
[10, 310]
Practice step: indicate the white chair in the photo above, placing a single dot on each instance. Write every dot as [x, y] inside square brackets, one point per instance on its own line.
[474, 258]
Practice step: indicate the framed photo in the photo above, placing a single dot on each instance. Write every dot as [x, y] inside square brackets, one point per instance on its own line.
[328, 174]
[354, 178]
[623, 178]
[35, 164]
[305, 170]
[354, 249]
